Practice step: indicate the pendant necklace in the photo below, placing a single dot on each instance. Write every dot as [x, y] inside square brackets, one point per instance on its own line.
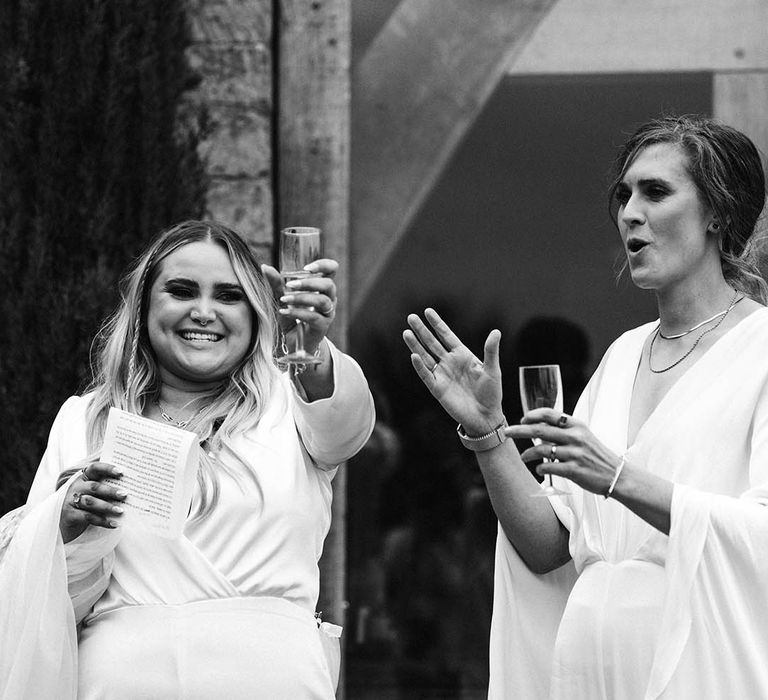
[722, 315]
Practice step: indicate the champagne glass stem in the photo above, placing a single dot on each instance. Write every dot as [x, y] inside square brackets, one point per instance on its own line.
[299, 336]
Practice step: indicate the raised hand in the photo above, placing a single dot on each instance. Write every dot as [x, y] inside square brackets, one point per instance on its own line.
[467, 388]
[311, 300]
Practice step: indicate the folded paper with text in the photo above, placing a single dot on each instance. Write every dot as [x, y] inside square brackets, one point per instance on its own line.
[159, 465]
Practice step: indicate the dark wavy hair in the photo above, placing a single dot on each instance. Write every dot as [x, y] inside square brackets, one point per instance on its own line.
[726, 168]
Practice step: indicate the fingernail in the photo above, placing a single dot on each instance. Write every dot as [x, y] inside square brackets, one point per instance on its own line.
[286, 299]
[120, 493]
[312, 267]
[117, 472]
[113, 523]
[285, 312]
[294, 284]
[117, 509]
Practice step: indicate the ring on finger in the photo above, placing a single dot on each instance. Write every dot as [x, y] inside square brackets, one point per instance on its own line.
[84, 474]
[76, 499]
[562, 421]
[553, 453]
[330, 311]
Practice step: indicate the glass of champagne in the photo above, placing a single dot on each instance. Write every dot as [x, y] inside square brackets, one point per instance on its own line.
[542, 387]
[299, 246]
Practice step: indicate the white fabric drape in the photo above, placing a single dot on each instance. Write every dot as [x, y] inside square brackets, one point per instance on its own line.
[709, 435]
[256, 552]
[38, 641]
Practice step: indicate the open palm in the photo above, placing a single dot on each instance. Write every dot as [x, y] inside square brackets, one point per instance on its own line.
[468, 389]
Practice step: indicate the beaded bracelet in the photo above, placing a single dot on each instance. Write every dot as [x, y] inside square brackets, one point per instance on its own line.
[616, 475]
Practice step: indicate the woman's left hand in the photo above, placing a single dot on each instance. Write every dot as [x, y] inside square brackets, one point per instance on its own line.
[311, 300]
[580, 456]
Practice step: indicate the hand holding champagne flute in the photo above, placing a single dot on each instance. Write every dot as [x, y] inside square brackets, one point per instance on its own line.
[299, 246]
[542, 387]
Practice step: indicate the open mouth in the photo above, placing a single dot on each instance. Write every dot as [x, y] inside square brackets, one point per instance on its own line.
[206, 337]
[635, 245]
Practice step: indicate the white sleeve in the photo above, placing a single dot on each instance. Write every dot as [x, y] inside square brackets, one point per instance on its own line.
[38, 637]
[89, 558]
[336, 428]
[717, 578]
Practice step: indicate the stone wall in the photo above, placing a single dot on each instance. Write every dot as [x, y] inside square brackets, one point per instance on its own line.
[232, 51]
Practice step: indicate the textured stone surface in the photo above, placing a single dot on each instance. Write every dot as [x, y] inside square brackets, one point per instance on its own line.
[231, 52]
[234, 72]
[239, 145]
[245, 205]
[225, 21]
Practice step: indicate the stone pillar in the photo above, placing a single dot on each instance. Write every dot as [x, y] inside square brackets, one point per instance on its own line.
[232, 51]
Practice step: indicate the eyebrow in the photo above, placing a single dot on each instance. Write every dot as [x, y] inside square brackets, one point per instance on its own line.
[219, 286]
[645, 181]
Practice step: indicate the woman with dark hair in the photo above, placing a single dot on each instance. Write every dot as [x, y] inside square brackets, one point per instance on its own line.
[92, 609]
[648, 579]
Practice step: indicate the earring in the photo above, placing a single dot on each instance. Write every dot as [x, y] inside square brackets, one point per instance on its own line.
[714, 226]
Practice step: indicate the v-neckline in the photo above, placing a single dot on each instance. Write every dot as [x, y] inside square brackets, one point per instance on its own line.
[674, 387]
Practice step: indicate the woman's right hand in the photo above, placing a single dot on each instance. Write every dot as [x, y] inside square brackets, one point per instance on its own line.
[468, 389]
[91, 502]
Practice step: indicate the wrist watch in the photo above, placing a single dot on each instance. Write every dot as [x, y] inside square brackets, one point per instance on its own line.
[482, 443]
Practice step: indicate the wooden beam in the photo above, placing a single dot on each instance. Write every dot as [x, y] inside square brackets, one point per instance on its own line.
[313, 126]
[741, 100]
[415, 93]
[606, 36]
[313, 190]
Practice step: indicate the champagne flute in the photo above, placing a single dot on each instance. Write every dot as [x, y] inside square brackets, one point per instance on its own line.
[542, 387]
[299, 246]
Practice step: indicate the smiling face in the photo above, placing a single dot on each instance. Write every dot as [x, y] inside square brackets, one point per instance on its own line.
[199, 320]
[663, 221]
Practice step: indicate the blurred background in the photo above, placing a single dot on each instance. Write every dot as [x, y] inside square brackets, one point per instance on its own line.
[456, 154]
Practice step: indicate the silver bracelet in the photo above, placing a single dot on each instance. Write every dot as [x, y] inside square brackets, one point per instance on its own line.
[616, 475]
[482, 443]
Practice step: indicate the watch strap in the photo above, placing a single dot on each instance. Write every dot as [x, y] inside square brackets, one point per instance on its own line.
[482, 443]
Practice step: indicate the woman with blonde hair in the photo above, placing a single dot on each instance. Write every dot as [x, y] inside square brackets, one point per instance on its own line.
[227, 609]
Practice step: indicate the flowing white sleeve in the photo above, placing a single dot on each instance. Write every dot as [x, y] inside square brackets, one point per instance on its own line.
[336, 428]
[527, 607]
[89, 558]
[714, 637]
[38, 637]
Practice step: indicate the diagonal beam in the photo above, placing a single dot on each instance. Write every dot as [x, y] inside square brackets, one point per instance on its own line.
[415, 93]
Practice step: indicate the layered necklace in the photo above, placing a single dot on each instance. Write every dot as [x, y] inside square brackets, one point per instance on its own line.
[721, 315]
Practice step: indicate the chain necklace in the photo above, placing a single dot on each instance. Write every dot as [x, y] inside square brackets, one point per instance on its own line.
[170, 419]
[734, 301]
[722, 315]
